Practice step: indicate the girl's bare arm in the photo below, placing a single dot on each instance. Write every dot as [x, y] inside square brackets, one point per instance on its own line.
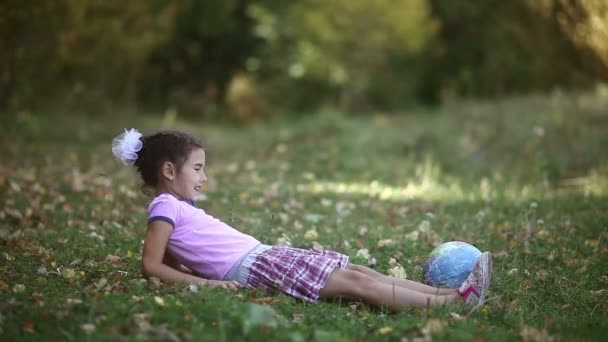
[170, 261]
[154, 256]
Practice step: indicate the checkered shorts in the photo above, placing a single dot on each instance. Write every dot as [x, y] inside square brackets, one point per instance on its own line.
[297, 272]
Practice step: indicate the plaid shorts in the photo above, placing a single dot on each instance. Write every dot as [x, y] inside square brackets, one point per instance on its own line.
[297, 272]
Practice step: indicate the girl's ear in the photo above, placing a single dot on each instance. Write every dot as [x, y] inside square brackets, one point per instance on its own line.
[168, 170]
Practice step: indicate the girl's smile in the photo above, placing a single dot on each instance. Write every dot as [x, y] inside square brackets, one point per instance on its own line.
[189, 180]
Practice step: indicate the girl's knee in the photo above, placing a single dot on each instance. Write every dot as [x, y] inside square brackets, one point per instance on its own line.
[350, 283]
[358, 268]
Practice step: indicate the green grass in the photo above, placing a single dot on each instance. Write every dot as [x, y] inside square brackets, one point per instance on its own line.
[524, 178]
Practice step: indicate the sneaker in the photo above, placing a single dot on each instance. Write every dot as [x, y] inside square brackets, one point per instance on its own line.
[473, 290]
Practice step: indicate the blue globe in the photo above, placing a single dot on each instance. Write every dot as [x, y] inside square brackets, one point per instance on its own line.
[450, 264]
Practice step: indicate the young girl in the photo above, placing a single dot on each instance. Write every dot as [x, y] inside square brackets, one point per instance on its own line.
[185, 244]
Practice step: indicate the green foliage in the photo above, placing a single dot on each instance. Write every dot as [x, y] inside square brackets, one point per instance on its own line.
[187, 56]
[337, 47]
[489, 48]
[209, 43]
[79, 51]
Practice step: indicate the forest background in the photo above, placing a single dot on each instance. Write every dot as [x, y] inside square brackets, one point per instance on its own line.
[245, 59]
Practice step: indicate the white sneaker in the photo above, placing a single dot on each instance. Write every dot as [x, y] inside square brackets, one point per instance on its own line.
[473, 290]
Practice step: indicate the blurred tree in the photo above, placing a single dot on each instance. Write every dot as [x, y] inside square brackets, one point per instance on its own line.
[492, 48]
[586, 23]
[27, 38]
[107, 43]
[77, 48]
[338, 47]
[210, 41]
[350, 54]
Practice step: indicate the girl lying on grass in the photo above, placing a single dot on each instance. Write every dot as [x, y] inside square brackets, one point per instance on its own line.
[182, 237]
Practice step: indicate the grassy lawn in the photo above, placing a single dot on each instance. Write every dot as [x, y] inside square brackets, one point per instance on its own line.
[526, 179]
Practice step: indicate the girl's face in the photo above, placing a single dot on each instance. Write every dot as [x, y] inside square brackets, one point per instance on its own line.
[191, 176]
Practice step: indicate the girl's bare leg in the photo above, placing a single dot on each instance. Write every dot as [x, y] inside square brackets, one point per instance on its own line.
[360, 286]
[408, 284]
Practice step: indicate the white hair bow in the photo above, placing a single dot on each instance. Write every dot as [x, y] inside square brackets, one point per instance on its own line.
[126, 145]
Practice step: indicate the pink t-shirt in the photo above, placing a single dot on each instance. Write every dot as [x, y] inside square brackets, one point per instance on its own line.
[200, 241]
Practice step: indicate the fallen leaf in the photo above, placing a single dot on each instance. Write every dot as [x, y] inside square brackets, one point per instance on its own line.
[412, 235]
[101, 283]
[456, 316]
[137, 298]
[141, 321]
[424, 226]
[298, 318]
[363, 253]
[385, 242]
[155, 283]
[37, 297]
[261, 315]
[531, 334]
[591, 242]
[159, 301]
[112, 258]
[432, 326]
[28, 326]
[385, 330]
[263, 300]
[398, 272]
[311, 234]
[69, 273]
[73, 301]
[317, 246]
[88, 328]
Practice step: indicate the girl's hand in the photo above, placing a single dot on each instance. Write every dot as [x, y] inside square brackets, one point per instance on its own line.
[230, 285]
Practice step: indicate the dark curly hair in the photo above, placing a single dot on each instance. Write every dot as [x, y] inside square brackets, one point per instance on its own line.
[160, 147]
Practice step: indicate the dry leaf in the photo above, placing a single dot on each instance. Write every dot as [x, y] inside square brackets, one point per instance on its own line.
[298, 318]
[311, 234]
[456, 316]
[397, 272]
[264, 300]
[101, 283]
[531, 334]
[412, 235]
[317, 246]
[28, 326]
[69, 273]
[363, 253]
[433, 326]
[385, 330]
[88, 328]
[113, 258]
[160, 301]
[386, 242]
[141, 321]
[73, 301]
[155, 283]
